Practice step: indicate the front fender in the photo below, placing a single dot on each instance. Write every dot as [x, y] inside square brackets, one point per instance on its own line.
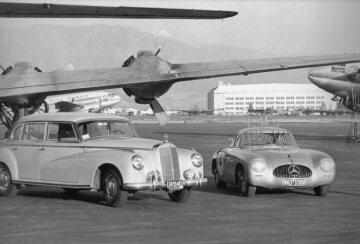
[90, 162]
[8, 158]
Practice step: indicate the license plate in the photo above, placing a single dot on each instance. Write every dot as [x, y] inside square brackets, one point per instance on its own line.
[174, 185]
[294, 182]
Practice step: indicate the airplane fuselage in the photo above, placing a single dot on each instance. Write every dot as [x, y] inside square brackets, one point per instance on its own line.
[337, 83]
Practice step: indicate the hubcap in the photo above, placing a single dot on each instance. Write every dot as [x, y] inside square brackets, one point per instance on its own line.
[111, 186]
[4, 179]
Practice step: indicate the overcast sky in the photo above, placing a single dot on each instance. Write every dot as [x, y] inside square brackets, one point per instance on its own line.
[275, 26]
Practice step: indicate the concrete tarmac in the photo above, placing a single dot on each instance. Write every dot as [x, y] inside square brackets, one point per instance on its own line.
[48, 215]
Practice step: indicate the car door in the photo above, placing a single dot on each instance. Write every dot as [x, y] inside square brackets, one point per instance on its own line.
[59, 159]
[26, 145]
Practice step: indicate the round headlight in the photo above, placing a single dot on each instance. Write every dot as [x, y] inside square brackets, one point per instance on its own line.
[189, 174]
[197, 159]
[137, 162]
[327, 165]
[258, 165]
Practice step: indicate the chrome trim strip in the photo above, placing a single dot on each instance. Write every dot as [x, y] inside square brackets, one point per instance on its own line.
[51, 184]
[42, 144]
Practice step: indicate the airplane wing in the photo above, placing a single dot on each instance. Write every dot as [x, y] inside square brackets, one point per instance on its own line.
[49, 10]
[60, 82]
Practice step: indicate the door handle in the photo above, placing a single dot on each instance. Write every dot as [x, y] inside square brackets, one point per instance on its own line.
[15, 148]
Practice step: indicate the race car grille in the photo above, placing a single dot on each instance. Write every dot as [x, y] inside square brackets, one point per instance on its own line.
[169, 162]
[292, 171]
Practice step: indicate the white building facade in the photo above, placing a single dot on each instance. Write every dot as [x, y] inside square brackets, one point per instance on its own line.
[230, 99]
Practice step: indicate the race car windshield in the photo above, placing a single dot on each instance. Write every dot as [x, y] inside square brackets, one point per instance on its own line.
[95, 129]
[268, 139]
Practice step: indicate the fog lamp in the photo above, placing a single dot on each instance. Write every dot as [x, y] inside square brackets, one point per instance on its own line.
[189, 174]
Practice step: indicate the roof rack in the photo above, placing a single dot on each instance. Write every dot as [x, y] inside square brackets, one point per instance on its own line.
[263, 121]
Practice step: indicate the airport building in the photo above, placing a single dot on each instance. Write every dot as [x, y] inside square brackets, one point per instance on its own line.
[230, 99]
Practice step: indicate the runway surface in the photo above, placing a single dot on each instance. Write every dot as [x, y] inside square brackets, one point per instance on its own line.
[48, 215]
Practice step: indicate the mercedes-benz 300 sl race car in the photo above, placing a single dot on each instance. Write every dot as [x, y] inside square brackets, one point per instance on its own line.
[79, 151]
[269, 157]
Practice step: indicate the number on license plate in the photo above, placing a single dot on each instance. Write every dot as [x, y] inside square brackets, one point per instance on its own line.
[174, 185]
[294, 182]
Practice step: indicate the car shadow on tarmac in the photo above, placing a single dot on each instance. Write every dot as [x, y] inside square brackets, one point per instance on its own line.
[54, 193]
[234, 190]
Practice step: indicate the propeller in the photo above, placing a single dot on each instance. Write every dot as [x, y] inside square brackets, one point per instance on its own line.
[5, 71]
[159, 112]
[160, 41]
[149, 60]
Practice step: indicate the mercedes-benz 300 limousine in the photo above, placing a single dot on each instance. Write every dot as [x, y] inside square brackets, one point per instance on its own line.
[99, 152]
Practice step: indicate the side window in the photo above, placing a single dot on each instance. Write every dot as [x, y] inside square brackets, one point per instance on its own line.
[33, 132]
[17, 133]
[61, 132]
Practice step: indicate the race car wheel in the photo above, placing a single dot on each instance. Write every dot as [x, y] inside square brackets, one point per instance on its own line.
[219, 183]
[112, 187]
[322, 190]
[7, 188]
[246, 189]
[180, 195]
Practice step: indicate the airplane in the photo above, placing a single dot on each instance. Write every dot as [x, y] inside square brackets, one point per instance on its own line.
[23, 88]
[93, 102]
[262, 111]
[50, 10]
[342, 81]
[146, 77]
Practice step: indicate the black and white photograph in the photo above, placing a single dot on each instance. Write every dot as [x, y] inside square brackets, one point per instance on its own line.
[182, 121]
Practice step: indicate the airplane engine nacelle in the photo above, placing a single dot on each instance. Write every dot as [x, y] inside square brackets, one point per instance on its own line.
[147, 62]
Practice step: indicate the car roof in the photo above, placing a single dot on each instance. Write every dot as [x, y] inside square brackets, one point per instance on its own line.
[69, 117]
[263, 130]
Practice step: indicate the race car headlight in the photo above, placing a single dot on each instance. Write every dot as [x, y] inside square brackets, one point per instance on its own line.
[189, 174]
[258, 165]
[327, 165]
[137, 162]
[197, 159]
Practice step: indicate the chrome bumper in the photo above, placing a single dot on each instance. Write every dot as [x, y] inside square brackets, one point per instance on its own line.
[154, 186]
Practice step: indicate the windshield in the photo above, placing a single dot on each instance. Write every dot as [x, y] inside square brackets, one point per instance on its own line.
[268, 139]
[95, 129]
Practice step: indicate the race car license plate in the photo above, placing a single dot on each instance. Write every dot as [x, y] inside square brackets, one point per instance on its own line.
[174, 185]
[294, 182]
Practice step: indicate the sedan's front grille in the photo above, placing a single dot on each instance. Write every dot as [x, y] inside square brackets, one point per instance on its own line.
[169, 162]
[292, 171]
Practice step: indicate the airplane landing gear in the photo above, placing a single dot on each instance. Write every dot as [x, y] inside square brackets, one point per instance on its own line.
[10, 114]
[354, 134]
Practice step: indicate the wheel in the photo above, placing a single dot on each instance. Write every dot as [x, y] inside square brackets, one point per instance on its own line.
[113, 194]
[246, 189]
[219, 183]
[180, 195]
[322, 190]
[7, 188]
[70, 190]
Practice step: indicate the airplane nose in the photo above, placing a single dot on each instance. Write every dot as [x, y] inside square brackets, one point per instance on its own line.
[317, 80]
[319, 76]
